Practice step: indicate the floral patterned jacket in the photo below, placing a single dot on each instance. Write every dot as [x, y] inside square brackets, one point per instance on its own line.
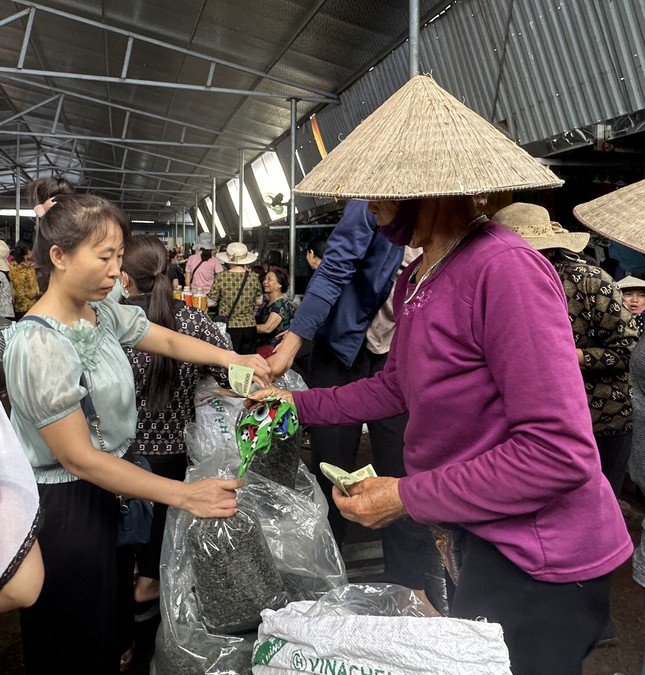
[605, 330]
[25, 286]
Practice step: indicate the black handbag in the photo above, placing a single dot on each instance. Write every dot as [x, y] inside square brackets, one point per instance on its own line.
[135, 515]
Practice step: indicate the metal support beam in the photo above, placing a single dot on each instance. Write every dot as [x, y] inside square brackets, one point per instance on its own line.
[240, 231]
[59, 110]
[90, 77]
[414, 38]
[118, 144]
[211, 74]
[14, 17]
[166, 45]
[213, 216]
[126, 122]
[135, 111]
[183, 218]
[26, 38]
[28, 110]
[126, 60]
[17, 228]
[116, 139]
[176, 229]
[292, 201]
[17, 233]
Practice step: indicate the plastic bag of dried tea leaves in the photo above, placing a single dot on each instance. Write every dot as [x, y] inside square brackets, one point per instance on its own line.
[297, 531]
[216, 575]
[195, 654]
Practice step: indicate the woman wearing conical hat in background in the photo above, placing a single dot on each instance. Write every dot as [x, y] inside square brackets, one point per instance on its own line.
[499, 444]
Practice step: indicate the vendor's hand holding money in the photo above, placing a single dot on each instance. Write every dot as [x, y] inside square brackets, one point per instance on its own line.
[373, 502]
[211, 497]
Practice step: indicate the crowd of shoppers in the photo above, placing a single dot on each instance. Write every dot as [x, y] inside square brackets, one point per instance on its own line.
[490, 368]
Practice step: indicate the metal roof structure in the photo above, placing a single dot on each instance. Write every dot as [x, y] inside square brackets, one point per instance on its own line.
[147, 100]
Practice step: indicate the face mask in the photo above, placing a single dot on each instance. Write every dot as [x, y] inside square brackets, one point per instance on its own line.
[399, 232]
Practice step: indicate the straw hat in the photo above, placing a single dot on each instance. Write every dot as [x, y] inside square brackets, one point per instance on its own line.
[534, 225]
[4, 254]
[422, 142]
[237, 254]
[630, 282]
[619, 216]
[205, 241]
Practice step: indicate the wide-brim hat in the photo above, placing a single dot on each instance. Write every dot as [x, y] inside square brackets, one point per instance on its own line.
[534, 225]
[4, 254]
[237, 254]
[619, 215]
[205, 241]
[422, 142]
[630, 282]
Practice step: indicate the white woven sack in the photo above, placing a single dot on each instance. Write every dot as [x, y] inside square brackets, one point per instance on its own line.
[289, 642]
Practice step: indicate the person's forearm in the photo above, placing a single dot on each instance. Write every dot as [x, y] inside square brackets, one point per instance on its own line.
[182, 347]
[290, 345]
[108, 471]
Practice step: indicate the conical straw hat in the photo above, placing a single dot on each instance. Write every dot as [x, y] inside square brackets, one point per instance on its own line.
[619, 216]
[422, 142]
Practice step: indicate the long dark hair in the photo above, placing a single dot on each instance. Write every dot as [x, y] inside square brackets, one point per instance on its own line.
[70, 221]
[20, 251]
[146, 262]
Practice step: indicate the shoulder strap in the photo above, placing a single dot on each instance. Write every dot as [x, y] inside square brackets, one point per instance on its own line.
[199, 264]
[239, 293]
[86, 404]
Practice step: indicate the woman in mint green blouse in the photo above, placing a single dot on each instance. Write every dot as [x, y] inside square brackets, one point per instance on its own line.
[78, 251]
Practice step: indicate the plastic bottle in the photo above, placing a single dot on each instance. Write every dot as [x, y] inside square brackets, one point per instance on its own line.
[176, 293]
[187, 296]
[199, 300]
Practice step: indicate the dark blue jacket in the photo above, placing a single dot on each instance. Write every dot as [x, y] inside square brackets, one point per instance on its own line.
[350, 285]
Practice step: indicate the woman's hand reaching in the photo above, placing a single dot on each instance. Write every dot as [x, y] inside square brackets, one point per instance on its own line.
[211, 497]
[262, 371]
[256, 397]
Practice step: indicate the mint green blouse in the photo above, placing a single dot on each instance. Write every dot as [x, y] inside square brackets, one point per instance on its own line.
[43, 368]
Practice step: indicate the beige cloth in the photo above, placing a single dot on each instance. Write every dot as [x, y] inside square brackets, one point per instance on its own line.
[381, 331]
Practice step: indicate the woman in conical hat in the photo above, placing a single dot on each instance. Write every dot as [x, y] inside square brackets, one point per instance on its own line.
[499, 444]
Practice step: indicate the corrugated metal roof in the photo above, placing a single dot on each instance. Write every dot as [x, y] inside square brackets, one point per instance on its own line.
[566, 64]
[560, 66]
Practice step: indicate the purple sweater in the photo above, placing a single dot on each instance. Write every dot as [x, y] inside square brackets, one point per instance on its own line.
[499, 439]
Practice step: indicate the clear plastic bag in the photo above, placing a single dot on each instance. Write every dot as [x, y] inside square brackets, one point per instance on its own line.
[297, 531]
[216, 576]
[371, 600]
[294, 521]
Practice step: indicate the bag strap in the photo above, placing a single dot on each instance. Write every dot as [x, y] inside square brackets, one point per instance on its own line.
[192, 274]
[87, 404]
[239, 294]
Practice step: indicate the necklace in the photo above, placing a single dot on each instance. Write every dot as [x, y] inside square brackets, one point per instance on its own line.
[453, 245]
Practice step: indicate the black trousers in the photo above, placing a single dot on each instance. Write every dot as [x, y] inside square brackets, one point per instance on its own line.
[72, 626]
[245, 340]
[408, 549]
[614, 457]
[548, 628]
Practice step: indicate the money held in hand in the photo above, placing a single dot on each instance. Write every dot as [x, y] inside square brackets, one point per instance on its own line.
[342, 479]
[240, 378]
